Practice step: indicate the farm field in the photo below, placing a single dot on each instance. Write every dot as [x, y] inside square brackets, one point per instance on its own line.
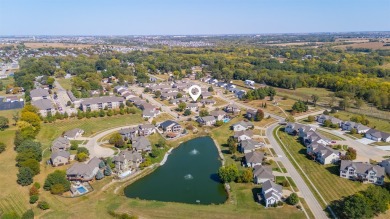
[325, 177]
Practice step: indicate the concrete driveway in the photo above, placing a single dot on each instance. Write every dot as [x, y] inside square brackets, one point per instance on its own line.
[365, 141]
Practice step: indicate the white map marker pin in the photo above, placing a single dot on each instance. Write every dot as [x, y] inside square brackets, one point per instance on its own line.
[192, 89]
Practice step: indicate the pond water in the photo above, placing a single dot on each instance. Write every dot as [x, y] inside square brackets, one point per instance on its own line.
[188, 176]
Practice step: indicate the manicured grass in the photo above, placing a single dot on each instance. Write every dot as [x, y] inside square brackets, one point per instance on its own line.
[330, 135]
[65, 83]
[379, 124]
[324, 177]
[6, 81]
[219, 102]
[305, 94]
[51, 131]
[162, 117]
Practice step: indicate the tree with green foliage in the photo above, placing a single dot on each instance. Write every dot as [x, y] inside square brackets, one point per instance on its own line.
[2, 147]
[81, 157]
[82, 150]
[210, 89]
[29, 214]
[300, 106]
[246, 176]
[290, 119]
[293, 199]
[187, 112]
[74, 145]
[43, 205]
[157, 94]
[57, 189]
[57, 177]
[155, 152]
[203, 113]
[181, 106]
[232, 144]
[107, 171]
[99, 175]
[33, 199]
[3, 123]
[117, 140]
[315, 99]
[32, 164]
[228, 173]
[311, 118]
[179, 95]
[259, 115]
[218, 123]
[25, 176]
[161, 143]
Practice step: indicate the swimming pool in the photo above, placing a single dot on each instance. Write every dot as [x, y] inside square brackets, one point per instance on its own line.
[226, 120]
[82, 190]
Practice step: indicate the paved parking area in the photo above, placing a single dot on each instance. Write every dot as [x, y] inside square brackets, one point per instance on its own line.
[365, 141]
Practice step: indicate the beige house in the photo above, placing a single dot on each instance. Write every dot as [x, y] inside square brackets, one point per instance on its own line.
[98, 103]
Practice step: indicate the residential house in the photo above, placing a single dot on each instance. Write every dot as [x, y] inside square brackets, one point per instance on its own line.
[59, 158]
[254, 158]
[170, 126]
[218, 114]
[377, 135]
[348, 126]
[60, 144]
[208, 102]
[249, 83]
[293, 128]
[83, 171]
[232, 108]
[128, 133]
[262, 173]
[363, 172]
[207, 120]
[206, 95]
[305, 129]
[314, 137]
[323, 154]
[73, 134]
[141, 144]
[250, 114]
[193, 107]
[243, 135]
[39, 94]
[386, 164]
[146, 129]
[127, 161]
[45, 106]
[98, 103]
[249, 145]
[178, 100]
[271, 192]
[242, 125]
[168, 96]
[240, 94]
[150, 113]
[322, 118]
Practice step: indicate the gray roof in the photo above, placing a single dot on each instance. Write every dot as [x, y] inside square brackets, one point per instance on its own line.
[217, 113]
[43, 104]
[128, 155]
[146, 126]
[315, 136]
[84, 169]
[207, 118]
[204, 101]
[263, 172]
[141, 143]
[240, 133]
[71, 96]
[168, 123]
[249, 144]
[72, 133]
[39, 92]
[362, 168]
[60, 154]
[103, 99]
[149, 113]
[244, 124]
[254, 157]
[325, 151]
[269, 184]
[378, 134]
[192, 105]
[59, 143]
[126, 131]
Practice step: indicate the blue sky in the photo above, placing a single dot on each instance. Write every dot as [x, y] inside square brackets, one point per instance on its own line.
[145, 17]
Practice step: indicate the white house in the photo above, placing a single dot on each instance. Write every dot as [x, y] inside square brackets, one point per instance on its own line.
[241, 126]
[243, 135]
[271, 192]
[323, 154]
[364, 172]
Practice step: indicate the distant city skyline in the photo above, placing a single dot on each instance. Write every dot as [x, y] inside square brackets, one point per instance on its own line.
[201, 17]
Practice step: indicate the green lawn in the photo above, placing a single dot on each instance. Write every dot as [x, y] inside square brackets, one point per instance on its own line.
[324, 177]
[380, 124]
[330, 135]
[6, 81]
[51, 131]
[65, 83]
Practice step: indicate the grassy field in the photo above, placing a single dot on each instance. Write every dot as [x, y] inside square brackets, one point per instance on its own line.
[51, 131]
[325, 177]
[6, 81]
[330, 135]
[380, 124]
[162, 117]
[219, 102]
[13, 198]
[65, 83]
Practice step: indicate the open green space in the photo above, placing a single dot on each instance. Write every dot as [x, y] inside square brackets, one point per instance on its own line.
[324, 177]
[330, 135]
[65, 83]
[6, 81]
[380, 124]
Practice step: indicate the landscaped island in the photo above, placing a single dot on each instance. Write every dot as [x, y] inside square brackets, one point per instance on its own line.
[188, 176]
